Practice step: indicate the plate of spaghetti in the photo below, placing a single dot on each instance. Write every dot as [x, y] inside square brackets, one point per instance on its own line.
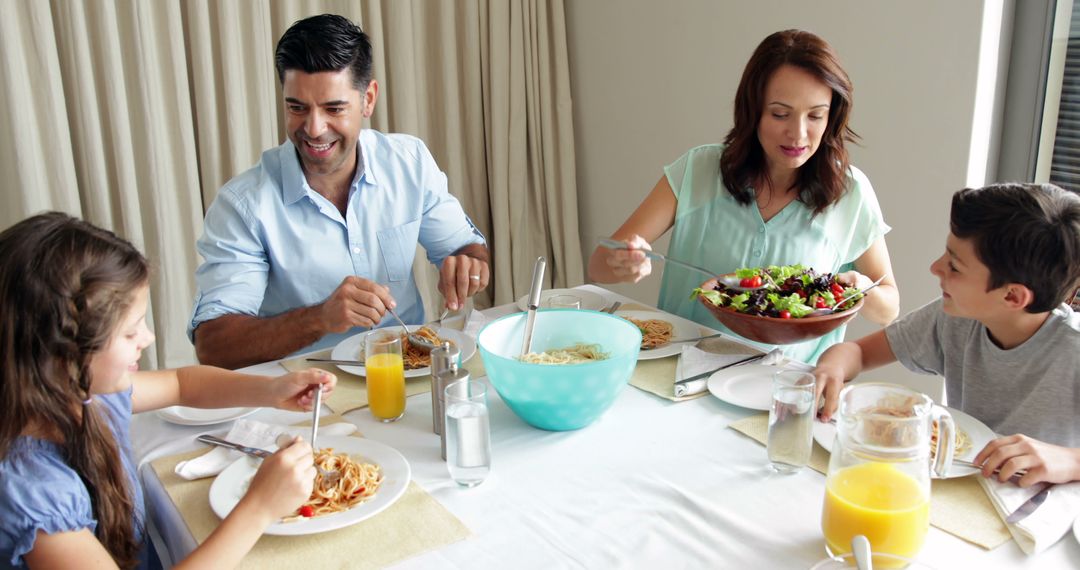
[374, 476]
[417, 362]
[658, 330]
[971, 436]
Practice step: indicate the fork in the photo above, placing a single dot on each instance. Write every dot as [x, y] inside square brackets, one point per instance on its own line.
[329, 478]
[673, 341]
[962, 463]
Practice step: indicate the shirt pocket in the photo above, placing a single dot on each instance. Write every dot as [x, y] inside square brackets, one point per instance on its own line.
[397, 245]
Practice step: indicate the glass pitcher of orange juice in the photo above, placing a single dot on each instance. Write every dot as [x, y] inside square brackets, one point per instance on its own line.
[878, 482]
[384, 368]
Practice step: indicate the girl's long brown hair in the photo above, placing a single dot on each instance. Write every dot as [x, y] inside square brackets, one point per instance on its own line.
[64, 287]
[823, 179]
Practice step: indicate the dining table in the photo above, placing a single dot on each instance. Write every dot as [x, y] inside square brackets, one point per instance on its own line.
[652, 483]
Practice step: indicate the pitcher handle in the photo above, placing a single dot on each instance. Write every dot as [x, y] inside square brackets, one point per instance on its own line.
[946, 441]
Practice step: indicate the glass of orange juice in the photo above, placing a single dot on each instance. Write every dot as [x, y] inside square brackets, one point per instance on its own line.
[385, 371]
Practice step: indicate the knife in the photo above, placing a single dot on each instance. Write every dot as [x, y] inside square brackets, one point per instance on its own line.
[715, 370]
[1030, 505]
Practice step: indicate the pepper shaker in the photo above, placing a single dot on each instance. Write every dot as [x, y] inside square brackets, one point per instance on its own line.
[442, 359]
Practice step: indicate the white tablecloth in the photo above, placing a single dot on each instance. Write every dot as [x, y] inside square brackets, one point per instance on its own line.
[653, 483]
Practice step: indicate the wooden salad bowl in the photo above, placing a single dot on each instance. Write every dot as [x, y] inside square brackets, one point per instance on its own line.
[774, 330]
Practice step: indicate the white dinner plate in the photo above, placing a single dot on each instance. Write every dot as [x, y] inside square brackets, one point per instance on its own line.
[352, 348]
[202, 417]
[589, 300]
[747, 385]
[232, 483]
[978, 434]
[681, 330]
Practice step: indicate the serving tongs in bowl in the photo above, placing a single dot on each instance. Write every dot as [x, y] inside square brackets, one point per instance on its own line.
[534, 303]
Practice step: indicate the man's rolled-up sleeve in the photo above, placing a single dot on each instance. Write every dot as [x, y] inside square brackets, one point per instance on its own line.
[445, 228]
[232, 278]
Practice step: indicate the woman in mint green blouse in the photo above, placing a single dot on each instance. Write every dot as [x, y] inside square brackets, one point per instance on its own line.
[779, 191]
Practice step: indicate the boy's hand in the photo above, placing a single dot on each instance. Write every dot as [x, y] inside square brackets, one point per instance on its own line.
[294, 392]
[830, 380]
[1043, 461]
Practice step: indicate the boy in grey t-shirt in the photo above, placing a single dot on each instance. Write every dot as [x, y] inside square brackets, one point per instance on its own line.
[1007, 344]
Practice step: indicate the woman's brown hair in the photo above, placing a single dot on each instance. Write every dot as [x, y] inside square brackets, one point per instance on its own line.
[65, 285]
[823, 179]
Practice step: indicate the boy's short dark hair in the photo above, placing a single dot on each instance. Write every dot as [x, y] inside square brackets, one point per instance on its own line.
[325, 43]
[1024, 233]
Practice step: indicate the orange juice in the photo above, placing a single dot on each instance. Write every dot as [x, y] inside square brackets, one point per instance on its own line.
[386, 385]
[877, 500]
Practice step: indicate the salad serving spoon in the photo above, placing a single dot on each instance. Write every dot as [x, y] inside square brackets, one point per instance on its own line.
[615, 244]
[845, 299]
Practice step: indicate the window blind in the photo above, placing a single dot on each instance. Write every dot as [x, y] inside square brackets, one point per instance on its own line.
[1065, 164]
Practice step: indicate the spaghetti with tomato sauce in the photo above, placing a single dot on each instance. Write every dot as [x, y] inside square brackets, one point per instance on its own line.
[358, 483]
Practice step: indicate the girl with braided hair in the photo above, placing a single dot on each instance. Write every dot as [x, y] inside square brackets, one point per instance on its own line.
[73, 302]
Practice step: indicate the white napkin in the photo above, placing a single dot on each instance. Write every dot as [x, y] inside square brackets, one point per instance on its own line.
[253, 434]
[474, 323]
[693, 361]
[1047, 524]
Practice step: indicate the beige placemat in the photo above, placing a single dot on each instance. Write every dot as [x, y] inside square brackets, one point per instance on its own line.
[958, 506]
[351, 390]
[414, 524]
[658, 376]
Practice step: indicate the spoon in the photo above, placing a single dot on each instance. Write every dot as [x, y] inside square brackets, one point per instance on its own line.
[534, 302]
[860, 547]
[615, 244]
[416, 340]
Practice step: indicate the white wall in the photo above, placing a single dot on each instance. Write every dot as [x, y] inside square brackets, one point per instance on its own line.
[652, 79]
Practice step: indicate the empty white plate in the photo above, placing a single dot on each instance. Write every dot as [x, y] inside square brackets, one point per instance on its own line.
[746, 386]
[202, 417]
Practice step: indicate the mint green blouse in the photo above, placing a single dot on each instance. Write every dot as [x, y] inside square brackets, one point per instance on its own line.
[716, 232]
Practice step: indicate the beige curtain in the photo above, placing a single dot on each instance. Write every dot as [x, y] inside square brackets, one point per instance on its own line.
[133, 113]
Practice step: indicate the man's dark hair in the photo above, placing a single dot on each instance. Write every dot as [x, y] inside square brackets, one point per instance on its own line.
[325, 43]
[1024, 233]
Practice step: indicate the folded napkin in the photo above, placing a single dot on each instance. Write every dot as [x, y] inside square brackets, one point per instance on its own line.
[474, 323]
[695, 361]
[252, 434]
[1047, 524]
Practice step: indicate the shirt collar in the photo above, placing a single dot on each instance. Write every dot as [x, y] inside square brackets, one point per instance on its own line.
[294, 183]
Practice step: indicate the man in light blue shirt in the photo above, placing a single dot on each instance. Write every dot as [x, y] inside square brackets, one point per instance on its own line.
[319, 237]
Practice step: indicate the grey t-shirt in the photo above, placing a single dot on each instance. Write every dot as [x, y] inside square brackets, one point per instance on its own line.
[1032, 389]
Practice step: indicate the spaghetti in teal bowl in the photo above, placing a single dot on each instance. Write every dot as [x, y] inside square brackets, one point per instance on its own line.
[559, 397]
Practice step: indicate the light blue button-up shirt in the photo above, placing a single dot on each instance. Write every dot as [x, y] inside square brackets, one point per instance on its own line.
[271, 243]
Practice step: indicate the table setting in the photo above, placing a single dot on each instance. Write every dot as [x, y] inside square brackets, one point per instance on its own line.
[663, 472]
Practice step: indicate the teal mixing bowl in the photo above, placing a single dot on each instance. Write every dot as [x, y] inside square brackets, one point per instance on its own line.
[559, 397]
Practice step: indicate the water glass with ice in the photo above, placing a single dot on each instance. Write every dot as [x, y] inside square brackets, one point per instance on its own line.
[468, 432]
[791, 418]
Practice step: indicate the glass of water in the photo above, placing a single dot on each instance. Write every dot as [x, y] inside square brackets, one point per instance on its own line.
[468, 432]
[564, 302]
[791, 418]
